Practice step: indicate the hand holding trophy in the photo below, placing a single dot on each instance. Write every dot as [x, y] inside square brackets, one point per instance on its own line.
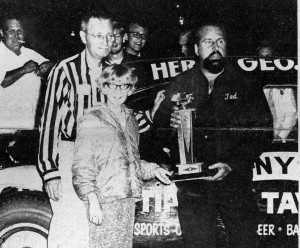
[187, 169]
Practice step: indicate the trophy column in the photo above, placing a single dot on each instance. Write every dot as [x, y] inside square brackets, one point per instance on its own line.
[187, 169]
[185, 136]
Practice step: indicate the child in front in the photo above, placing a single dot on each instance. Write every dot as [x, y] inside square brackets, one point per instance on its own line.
[107, 170]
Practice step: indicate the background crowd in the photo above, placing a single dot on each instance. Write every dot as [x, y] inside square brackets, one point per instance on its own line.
[51, 23]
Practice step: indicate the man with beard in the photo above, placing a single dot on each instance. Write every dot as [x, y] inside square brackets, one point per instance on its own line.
[72, 88]
[230, 111]
[118, 55]
[136, 37]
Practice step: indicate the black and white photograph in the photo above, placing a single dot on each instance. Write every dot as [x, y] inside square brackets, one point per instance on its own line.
[149, 124]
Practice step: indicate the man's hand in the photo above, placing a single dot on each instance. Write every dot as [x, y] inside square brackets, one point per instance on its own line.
[53, 189]
[158, 100]
[95, 211]
[163, 175]
[223, 170]
[44, 68]
[30, 66]
[175, 120]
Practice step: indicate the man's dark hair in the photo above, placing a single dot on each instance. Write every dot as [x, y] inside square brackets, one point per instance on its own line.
[196, 37]
[9, 16]
[133, 24]
[93, 11]
[119, 26]
[266, 44]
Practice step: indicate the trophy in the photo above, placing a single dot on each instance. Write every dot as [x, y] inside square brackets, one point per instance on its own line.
[187, 169]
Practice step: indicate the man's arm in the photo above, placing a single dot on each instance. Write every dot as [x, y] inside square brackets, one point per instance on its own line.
[12, 76]
[56, 102]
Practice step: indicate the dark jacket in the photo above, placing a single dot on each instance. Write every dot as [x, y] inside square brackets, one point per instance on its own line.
[232, 124]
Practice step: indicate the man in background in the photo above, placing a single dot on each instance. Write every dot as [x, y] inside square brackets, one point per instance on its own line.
[186, 46]
[136, 37]
[21, 70]
[21, 73]
[118, 55]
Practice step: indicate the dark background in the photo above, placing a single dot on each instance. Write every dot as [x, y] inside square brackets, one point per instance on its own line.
[50, 22]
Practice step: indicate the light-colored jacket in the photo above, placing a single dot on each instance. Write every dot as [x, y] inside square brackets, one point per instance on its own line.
[106, 157]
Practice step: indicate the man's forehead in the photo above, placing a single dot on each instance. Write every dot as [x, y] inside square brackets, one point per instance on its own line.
[117, 31]
[99, 24]
[208, 31]
[13, 24]
[137, 28]
[265, 51]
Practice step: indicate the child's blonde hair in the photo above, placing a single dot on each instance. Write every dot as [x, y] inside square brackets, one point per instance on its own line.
[118, 73]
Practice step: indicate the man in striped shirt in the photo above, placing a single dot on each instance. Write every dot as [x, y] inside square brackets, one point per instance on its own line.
[72, 88]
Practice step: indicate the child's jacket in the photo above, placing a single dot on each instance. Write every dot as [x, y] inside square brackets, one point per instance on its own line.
[106, 157]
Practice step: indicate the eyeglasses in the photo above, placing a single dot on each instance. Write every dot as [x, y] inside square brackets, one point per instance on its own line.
[100, 37]
[120, 86]
[138, 35]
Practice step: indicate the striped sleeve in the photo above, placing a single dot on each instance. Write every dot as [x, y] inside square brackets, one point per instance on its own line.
[143, 119]
[54, 120]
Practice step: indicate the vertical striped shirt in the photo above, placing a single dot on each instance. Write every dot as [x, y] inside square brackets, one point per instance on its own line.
[71, 89]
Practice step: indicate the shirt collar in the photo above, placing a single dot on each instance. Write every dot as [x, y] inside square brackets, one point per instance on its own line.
[2, 45]
[92, 65]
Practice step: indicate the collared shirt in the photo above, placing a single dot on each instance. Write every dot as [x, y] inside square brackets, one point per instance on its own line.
[71, 90]
[18, 102]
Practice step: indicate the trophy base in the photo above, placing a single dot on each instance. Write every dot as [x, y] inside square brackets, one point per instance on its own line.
[188, 172]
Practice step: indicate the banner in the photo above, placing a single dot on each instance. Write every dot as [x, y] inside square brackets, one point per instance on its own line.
[277, 166]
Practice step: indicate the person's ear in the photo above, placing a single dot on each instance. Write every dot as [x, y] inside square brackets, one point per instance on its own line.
[82, 37]
[129, 92]
[103, 90]
[1, 33]
[196, 49]
[125, 38]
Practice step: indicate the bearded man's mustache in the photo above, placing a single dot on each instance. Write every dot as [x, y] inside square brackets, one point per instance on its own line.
[214, 53]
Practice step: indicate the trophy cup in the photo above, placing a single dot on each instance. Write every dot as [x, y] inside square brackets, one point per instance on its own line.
[187, 169]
